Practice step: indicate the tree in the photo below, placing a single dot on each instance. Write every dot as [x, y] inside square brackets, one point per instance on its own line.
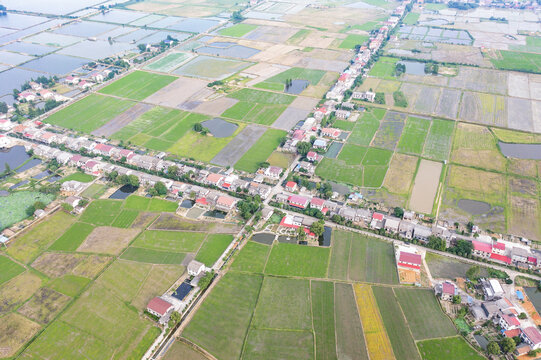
[39, 205]
[508, 345]
[493, 348]
[160, 188]
[3, 107]
[469, 226]
[174, 319]
[318, 228]
[172, 170]
[473, 272]
[204, 282]
[457, 299]
[379, 98]
[142, 47]
[237, 17]
[522, 316]
[197, 127]
[133, 181]
[7, 169]
[303, 148]
[67, 207]
[398, 212]
[301, 234]
[436, 243]
[463, 247]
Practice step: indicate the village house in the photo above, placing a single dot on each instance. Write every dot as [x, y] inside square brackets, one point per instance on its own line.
[405, 229]
[347, 213]
[159, 307]
[364, 215]
[421, 232]
[73, 201]
[391, 225]
[320, 144]
[71, 187]
[507, 321]
[225, 203]
[295, 222]
[195, 268]
[103, 149]
[259, 189]
[532, 337]
[491, 289]
[298, 201]
[409, 260]
[213, 179]
[519, 255]
[481, 249]
[317, 203]
[27, 95]
[377, 221]
[273, 172]
[366, 96]
[342, 114]
[313, 156]
[291, 186]
[330, 132]
[446, 290]
[72, 80]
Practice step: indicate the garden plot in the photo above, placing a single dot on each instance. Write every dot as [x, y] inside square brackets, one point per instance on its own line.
[297, 260]
[389, 131]
[272, 34]
[455, 348]
[108, 240]
[16, 291]
[518, 85]
[44, 305]
[211, 68]
[15, 331]
[138, 85]
[350, 341]
[425, 187]
[413, 137]
[260, 151]
[411, 91]
[122, 120]
[214, 107]
[236, 148]
[438, 142]
[276, 344]
[427, 99]
[475, 145]
[448, 103]
[258, 106]
[181, 93]
[519, 114]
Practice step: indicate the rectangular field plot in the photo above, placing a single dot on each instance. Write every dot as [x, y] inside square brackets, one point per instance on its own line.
[413, 136]
[389, 131]
[352, 154]
[384, 68]
[360, 258]
[211, 68]
[403, 344]
[297, 260]
[256, 106]
[73, 237]
[169, 62]
[101, 212]
[220, 324]
[438, 142]
[454, 348]
[524, 216]
[177, 241]
[264, 344]
[323, 318]
[427, 99]
[483, 108]
[152, 256]
[424, 314]
[377, 341]
[426, 186]
[237, 147]
[514, 60]
[252, 258]
[260, 151]
[350, 342]
[400, 174]
[213, 248]
[138, 85]
[274, 310]
[90, 113]
[364, 130]
[238, 30]
[448, 103]
[337, 170]
[125, 219]
[278, 82]
[9, 269]
[476, 146]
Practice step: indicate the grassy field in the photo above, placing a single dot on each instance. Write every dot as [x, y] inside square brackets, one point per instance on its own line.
[350, 343]
[395, 324]
[281, 159]
[15, 330]
[213, 248]
[94, 191]
[264, 344]
[274, 310]
[353, 40]
[181, 350]
[352, 154]
[260, 151]
[135, 202]
[9, 269]
[411, 18]
[252, 258]
[278, 82]
[323, 319]
[455, 348]
[44, 305]
[102, 212]
[138, 85]
[237, 30]
[424, 314]
[31, 243]
[364, 130]
[443, 267]
[73, 237]
[152, 256]
[13, 207]
[161, 205]
[384, 68]
[168, 62]
[298, 260]
[223, 309]
[521, 61]
[413, 136]
[70, 285]
[78, 176]
[256, 106]
[337, 170]
[90, 113]
[174, 241]
[360, 258]
[125, 218]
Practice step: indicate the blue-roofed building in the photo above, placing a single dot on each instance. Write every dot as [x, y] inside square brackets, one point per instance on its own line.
[183, 290]
[320, 143]
[520, 295]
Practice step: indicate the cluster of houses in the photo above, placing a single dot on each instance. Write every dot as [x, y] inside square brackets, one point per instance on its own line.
[506, 253]
[38, 92]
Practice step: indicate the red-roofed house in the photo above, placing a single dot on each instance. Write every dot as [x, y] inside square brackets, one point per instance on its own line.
[159, 307]
[481, 249]
[343, 77]
[46, 94]
[201, 201]
[448, 290]
[47, 137]
[330, 132]
[298, 201]
[500, 258]
[273, 172]
[532, 337]
[512, 333]
[498, 248]
[377, 221]
[508, 321]
[214, 179]
[532, 260]
[225, 203]
[317, 203]
[92, 166]
[298, 135]
[27, 95]
[290, 222]
[103, 149]
[291, 186]
[410, 260]
[312, 156]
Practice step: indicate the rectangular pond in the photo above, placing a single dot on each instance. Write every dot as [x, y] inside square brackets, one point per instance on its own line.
[194, 25]
[84, 29]
[97, 49]
[28, 48]
[118, 16]
[56, 64]
[234, 51]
